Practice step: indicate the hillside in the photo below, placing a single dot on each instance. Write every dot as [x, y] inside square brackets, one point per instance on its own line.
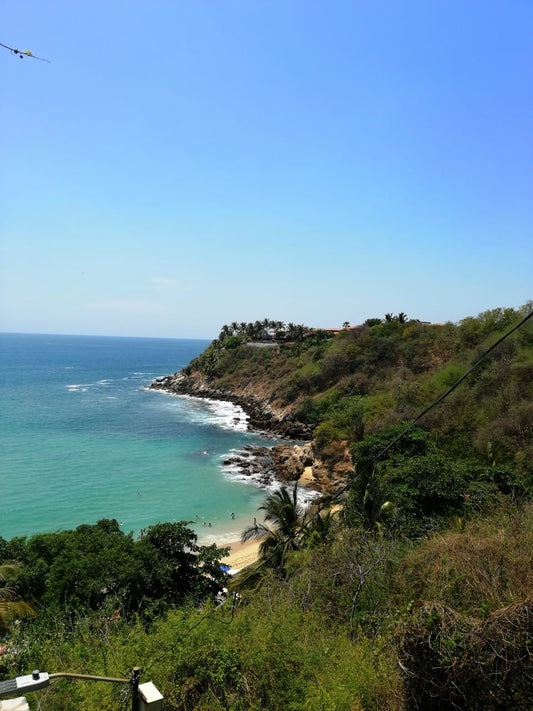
[335, 389]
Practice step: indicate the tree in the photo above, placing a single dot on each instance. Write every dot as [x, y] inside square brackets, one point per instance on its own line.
[225, 331]
[346, 324]
[366, 491]
[10, 603]
[402, 317]
[292, 527]
[232, 342]
[98, 567]
[210, 362]
[419, 486]
[176, 566]
[300, 331]
[372, 322]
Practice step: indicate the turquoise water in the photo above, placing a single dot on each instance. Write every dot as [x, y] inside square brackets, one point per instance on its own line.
[83, 439]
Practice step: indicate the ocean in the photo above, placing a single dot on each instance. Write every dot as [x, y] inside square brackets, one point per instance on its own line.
[82, 438]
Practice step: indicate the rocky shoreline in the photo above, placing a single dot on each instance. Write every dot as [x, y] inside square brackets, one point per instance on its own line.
[266, 465]
[282, 462]
[261, 416]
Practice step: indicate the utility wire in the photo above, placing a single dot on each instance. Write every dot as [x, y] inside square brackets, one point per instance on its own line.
[326, 503]
[340, 493]
[456, 384]
[337, 496]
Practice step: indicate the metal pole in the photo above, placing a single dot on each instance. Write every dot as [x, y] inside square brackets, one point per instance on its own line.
[135, 688]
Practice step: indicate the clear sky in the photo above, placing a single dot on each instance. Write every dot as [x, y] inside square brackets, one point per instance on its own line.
[181, 164]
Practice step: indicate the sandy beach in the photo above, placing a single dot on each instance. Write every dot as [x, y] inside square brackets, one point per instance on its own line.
[241, 554]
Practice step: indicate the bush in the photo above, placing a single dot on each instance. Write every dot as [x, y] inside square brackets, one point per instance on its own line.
[457, 662]
[232, 342]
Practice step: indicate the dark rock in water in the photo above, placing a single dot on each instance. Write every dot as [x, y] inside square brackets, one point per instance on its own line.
[231, 460]
[260, 416]
[283, 462]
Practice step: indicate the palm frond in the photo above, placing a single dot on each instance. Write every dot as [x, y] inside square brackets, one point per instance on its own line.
[256, 530]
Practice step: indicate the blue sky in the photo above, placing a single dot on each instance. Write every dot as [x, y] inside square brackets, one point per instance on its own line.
[184, 164]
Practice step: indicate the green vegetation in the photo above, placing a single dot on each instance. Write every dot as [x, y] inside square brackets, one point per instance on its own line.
[292, 528]
[415, 593]
[11, 604]
[99, 568]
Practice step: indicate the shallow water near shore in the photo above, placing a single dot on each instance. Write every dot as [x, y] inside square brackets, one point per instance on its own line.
[83, 438]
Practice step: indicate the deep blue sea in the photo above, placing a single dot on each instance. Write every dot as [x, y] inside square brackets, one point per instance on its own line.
[83, 439]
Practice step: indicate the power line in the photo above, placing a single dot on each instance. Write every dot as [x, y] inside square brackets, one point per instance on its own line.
[455, 385]
[339, 494]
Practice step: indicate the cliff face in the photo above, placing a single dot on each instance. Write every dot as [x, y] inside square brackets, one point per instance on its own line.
[256, 405]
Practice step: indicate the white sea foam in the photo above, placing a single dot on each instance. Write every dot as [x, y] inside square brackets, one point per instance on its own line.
[203, 411]
[227, 415]
[83, 387]
[236, 472]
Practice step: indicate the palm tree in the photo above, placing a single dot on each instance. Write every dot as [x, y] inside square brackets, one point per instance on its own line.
[300, 331]
[402, 318]
[291, 330]
[389, 317]
[293, 527]
[224, 332]
[346, 324]
[10, 603]
[285, 513]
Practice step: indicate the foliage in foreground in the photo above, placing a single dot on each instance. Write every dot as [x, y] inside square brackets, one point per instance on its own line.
[252, 662]
[420, 596]
[99, 567]
[367, 622]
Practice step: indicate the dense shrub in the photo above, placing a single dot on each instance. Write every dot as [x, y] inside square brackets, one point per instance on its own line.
[452, 661]
[93, 567]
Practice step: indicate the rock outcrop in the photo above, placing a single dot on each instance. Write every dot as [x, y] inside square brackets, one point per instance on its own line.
[261, 415]
[283, 462]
